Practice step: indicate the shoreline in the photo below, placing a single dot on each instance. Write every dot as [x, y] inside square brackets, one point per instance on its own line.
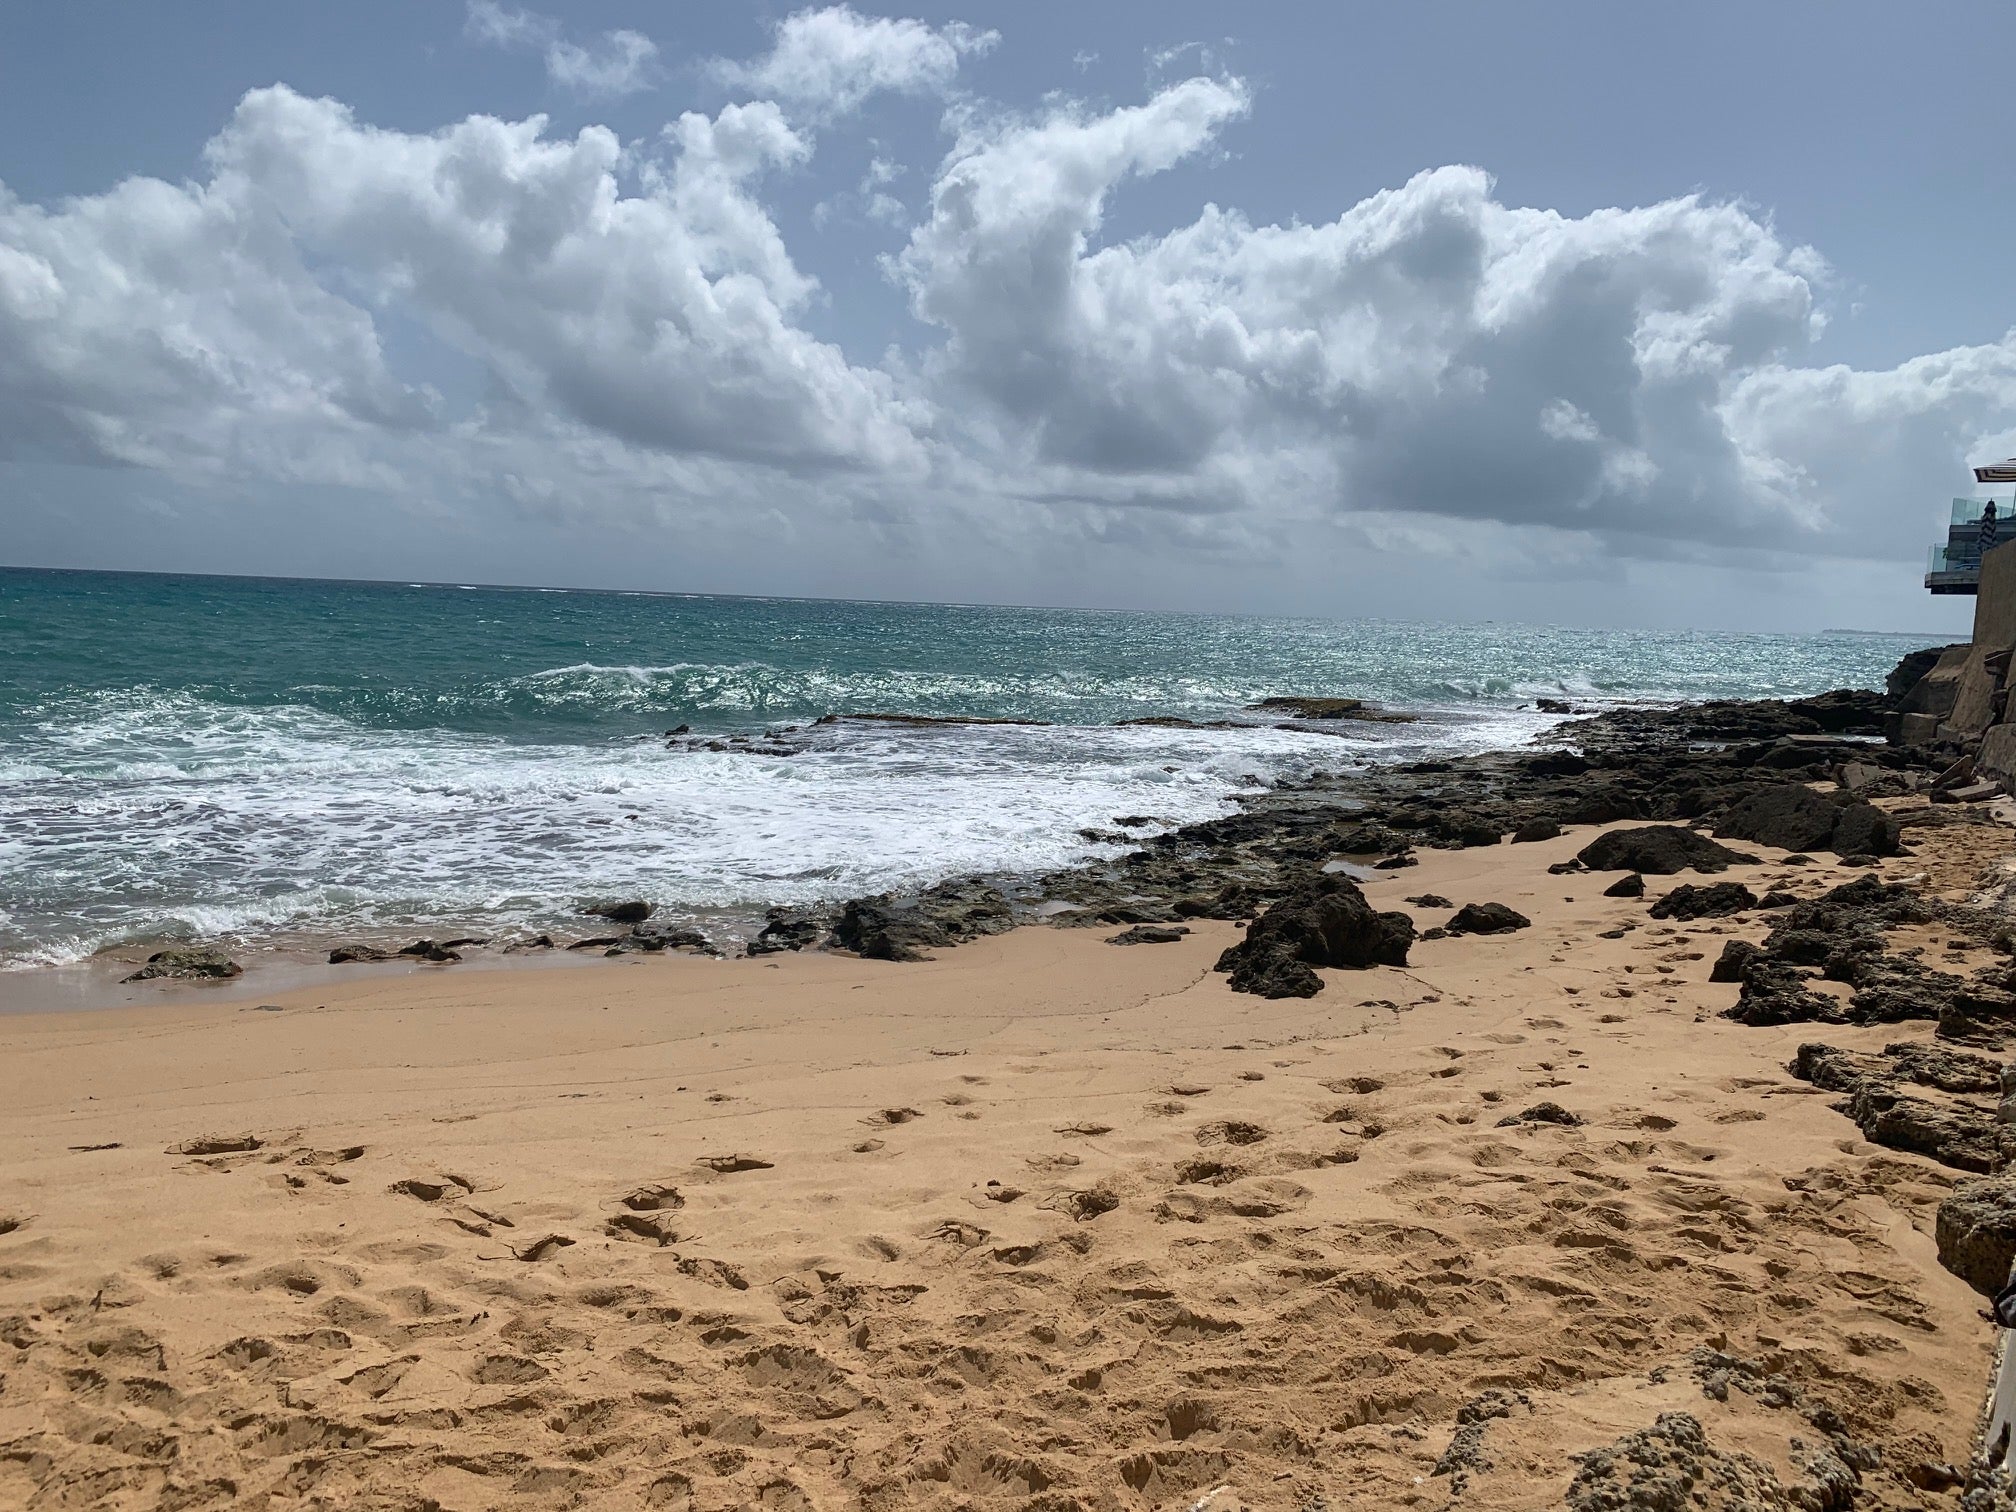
[814, 1229]
[1021, 896]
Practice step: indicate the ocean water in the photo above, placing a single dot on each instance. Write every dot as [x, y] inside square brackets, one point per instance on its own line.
[279, 762]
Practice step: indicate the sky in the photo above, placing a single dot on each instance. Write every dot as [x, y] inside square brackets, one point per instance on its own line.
[1561, 312]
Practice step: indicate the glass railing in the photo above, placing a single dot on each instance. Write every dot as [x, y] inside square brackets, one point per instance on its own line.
[1967, 511]
[1953, 559]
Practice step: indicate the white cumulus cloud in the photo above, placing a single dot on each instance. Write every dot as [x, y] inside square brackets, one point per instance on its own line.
[616, 63]
[829, 61]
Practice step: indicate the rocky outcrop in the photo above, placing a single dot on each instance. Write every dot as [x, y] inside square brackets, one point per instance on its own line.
[1953, 1129]
[1793, 817]
[1324, 922]
[1658, 849]
[1976, 1232]
[1671, 1467]
[1298, 707]
[1714, 901]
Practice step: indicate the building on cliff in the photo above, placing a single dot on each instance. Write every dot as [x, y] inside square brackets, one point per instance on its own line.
[1962, 699]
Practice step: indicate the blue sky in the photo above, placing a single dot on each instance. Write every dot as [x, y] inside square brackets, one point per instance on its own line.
[934, 304]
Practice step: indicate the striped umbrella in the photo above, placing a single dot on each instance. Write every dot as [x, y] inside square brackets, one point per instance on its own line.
[1996, 472]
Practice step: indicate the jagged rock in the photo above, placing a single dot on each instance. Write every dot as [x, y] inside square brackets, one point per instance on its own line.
[1326, 708]
[344, 955]
[188, 963]
[1632, 886]
[1324, 922]
[1731, 963]
[1536, 829]
[1890, 989]
[620, 911]
[1865, 830]
[1486, 918]
[1660, 849]
[1273, 972]
[1976, 1232]
[1148, 934]
[1965, 1138]
[1712, 902]
[1429, 900]
[1774, 993]
[788, 929]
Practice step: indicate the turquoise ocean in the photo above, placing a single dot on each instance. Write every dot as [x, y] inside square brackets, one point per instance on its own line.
[281, 762]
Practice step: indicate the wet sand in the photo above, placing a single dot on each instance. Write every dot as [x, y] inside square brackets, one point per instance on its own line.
[1042, 1223]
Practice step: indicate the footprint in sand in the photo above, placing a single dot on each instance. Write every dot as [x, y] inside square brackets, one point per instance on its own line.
[654, 1197]
[1230, 1131]
[890, 1117]
[728, 1165]
[641, 1228]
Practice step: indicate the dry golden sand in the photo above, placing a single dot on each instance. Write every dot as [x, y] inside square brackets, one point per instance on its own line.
[1043, 1223]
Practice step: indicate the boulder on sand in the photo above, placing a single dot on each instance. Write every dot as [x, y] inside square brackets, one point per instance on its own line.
[1661, 849]
[1711, 902]
[1323, 922]
[1486, 918]
[192, 964]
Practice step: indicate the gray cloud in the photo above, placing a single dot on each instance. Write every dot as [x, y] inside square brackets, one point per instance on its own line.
[1629, 383]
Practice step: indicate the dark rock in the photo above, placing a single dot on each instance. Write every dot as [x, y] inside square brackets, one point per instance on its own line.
[1605, 808]
[593, 942]
[1435, 932]
[1544, 1112]
[1236, 901]
[1395, 863]
[1324, 922]
[1777, 898]
[1326, 708]
[1736, 956]
[1948, 1070]
[343, 955]
[1862, 829]
[188, 963]
[1148, 934]
[429, 950]
[1773, 993]
[788, 929]
[1536, 829]
[1486, 918]
[620, 911]
[1976, 1232]
[1273, 973]
[1789, 815]
[1430, 900]
[1138, 913]
[1714, 901]
[1660, 849]
[1632, 886]
[1794, 817]
[1557, 764]
[1566, 868]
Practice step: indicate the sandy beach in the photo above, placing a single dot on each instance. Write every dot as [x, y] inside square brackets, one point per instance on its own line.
[1042, 1223]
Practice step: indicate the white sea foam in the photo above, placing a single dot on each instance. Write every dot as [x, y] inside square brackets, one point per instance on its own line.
[244, 822]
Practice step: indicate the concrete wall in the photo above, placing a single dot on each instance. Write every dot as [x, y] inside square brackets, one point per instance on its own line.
[1973, 708]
